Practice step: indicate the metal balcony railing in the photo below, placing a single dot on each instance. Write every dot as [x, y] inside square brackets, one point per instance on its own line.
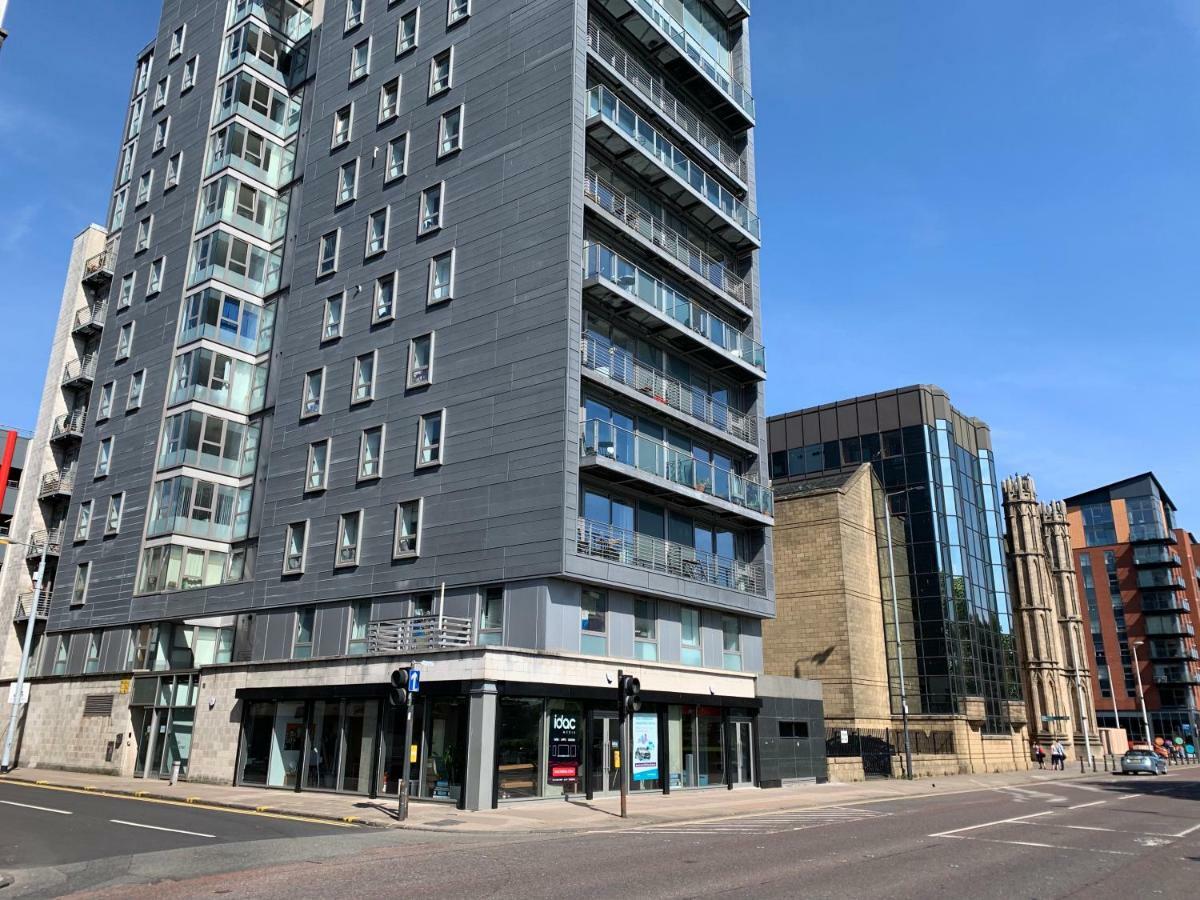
[80, 369]
[100, 266]
[68, 425]
[51, 540]
[628, 548]
[25, 605]
[1175, 675]
[418, 633]
[57, 483]
[621, 366]
[654, 91]
[90, 317]
[710, 270]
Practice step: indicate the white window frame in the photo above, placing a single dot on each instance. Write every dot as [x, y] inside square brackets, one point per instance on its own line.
[345, 114]
[376, 316]
[79, 597]
[111, 527]
[401, 46]
[368, 250]
[162, 134]
[304, 412]
[287, 544]
[440, 457]
[142, 244]
[415, 538]
[104, 404]
[336, 234]
[83, 520]
[311, 613]
[354, 21]
[174, 167]
[104, 453]
[491, 634]
[388, 175]
[340, 561]
[309, 487]
[443, 151]
[410, 379]
[125, 341]
[144, 188]
[362, 453]
[434, 89]
[137, 387]
[178, 36]
[357, 74]
[335, 301]
[430, 299]
[155, 279]
[161, 90]
[355, 399]
[125, 297]
[453, 17]
[389, 112]
[340, 199]
[426, 225]
[188, 80]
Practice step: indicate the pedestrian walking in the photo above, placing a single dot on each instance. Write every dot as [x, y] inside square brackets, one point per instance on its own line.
[1058, 756]
[1039, 756]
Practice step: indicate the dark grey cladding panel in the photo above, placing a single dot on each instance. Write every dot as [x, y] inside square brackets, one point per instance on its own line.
[910, 407]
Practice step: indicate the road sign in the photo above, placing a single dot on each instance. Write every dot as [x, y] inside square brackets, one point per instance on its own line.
[414, 680]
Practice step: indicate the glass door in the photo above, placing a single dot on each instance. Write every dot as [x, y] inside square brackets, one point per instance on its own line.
[743, 753]
[606, 777]
[145, 740]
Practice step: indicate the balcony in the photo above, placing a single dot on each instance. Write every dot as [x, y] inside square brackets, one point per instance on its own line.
[658, 306]
[89, 320]
[618, 128]
[50, 540]
[614, 366]
[1164, 602]
[80, 372]
[607, 49]
[627, 548]
[68, 426]
[56, 484]
[1150, 534]
[417, 634]
[1169, 625]
[98, 269]
[1172, 649]
[706, 271]
[625, 455]
[25, 605]
[1155, 555]
[1160, 579]
[673, 44]
[1175, 675]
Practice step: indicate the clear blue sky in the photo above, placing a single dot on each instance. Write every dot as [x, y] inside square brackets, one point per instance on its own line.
[999, 197]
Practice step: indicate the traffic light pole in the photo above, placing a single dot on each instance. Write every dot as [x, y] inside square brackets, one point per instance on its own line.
[621, 754]
[405, 767]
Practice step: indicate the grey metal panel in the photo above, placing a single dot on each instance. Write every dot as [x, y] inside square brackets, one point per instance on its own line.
[620, 624]
[524, 614]
[847, 419]
[562, 616]
[669, 631]
[811, 427]
[332, 630]
[281, 630]
[889, 412]
[910, 407]
[829, 423]
[868, 416]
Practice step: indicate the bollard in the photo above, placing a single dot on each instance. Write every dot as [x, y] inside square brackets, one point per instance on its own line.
[174, 772]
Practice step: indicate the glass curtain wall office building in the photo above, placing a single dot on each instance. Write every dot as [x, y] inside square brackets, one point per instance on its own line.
[382, 257]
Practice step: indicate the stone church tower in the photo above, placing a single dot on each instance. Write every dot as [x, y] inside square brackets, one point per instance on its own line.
[1047, 619]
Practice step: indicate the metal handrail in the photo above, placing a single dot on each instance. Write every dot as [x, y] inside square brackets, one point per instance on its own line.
[68, 423]
[104, 261]
[25, 603]
[600, 540]
[91, 315]
[54, 482]
[418, 633]
[51, 538]
[80, 368]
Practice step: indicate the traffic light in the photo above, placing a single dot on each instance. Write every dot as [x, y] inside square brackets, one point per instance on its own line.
[398, 689]
[631, 694]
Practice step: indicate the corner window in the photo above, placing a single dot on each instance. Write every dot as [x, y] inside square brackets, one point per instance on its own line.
[406, 31]
[420, 361]
[456, 11]
[377, 231]
[314, 393]
[441, 69]
[389, 100]
[154, 282]
[189, 75]
[491, 615]
[334, 309]
[370, 453]
[125, 294]
[408, 529]
[364, 378]
[441, 278]
[731, 637]
[645, 629]
[112, 522]
[347, 182]
[317, 468]
[450, 132]
[143, 234]
[342, 125]
[360, 628]
[162, 131]
[83, 574]
[137, 383]
[105, 404]
[174, 164]
[384, 306]
[349, 527]
[177, 37]
[83, 523]
[302, 646]
[125, 341]
[360, 60]
[429, 440]
[431, 208]
[355, 9]
[327, 253]
[397, 158]
[593, 609]
[690, 653]
[295, 546]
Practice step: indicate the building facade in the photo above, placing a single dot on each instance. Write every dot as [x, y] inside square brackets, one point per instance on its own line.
[942, 505]
[1139, 575]
[433, 336]
[1049, 626]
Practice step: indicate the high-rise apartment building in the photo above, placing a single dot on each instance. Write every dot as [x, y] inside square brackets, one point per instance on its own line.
[1139, 570]
[430, 334]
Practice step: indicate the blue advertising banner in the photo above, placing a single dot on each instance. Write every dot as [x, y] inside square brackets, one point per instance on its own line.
[645, 746]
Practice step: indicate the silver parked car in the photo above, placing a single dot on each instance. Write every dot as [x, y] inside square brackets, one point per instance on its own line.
[1135, 762]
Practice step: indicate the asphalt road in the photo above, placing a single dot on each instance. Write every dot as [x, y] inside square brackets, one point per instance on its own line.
[1104, 837]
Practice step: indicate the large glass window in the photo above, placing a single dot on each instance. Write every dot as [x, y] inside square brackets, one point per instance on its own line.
[690, 653]
[1098, 529]
[695, 745]
[519, 748]
[645, 629]
[1145, 518]
[593, 609]
[491, 615]
[731, 636]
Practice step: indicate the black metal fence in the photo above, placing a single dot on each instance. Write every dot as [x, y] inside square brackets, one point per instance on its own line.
[844, 742]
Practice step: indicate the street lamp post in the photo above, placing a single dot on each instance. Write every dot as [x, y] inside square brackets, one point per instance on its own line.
[887, 512]
[26, 649]
[1137, 671]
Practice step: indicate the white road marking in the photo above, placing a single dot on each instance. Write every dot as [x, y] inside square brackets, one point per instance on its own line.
[1186, 831]
[61, 812]
[954, 831]
[159, 828]
[968, 837]
[1086, 805]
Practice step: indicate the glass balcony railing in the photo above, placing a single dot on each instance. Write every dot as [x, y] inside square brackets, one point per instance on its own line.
[692, 49]
[248, 209]
[1150, 532]
[654, 92]
[225, 397]
[1163, 579]
[621, 366]
[605, 440]
[628, 548]
[624, 119]
[1175, 675]
[1164, 602]
[603, 263]
[708, 269]
[1169, 625]
[1155, 555]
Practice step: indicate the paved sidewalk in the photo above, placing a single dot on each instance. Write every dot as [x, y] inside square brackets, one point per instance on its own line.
[538, 816]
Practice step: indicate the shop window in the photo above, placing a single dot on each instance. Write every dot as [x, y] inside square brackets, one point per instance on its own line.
[519, 748]
[594, 622]
[695, 746]
[491, 615]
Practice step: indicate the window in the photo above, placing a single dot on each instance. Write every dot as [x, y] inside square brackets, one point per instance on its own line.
[384, 307]
[397, 158]
[137, 384]
[491, 615]
[83, 524]
[456, 11]
[440, 72]
[408, 529]
[334, 307]
[91, 662]
[189, 75]
[295, 546]
[341, 125]
[135, 118]
[406, 32]
[593, 609]
[347, 182]
[112, 522]
[62, 655]
[450, 132]
[174, 164]
[431, 209]
[389, 100]
[420, 361]
[360, 626]
[161, 131]
[83, 573]
[793, 729]
[370, 453]
[125, 294]
[177, 41]
[1098, 528]
[349, 526]
[731, 638]
[125, 172]
[360, 60]
[160, 92]
[690, 653]
[302, 646]
[645, 629]
[154, 282]
[125, 341]
[429, 449]
[314, 393]
[377, 231]
[317, 469]
[105, 405]
[327, 253]
[118, 211]
[143, 234]
[145, 183]
[364, 378]
[355, 9]
[441, 278]
[143, 73]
